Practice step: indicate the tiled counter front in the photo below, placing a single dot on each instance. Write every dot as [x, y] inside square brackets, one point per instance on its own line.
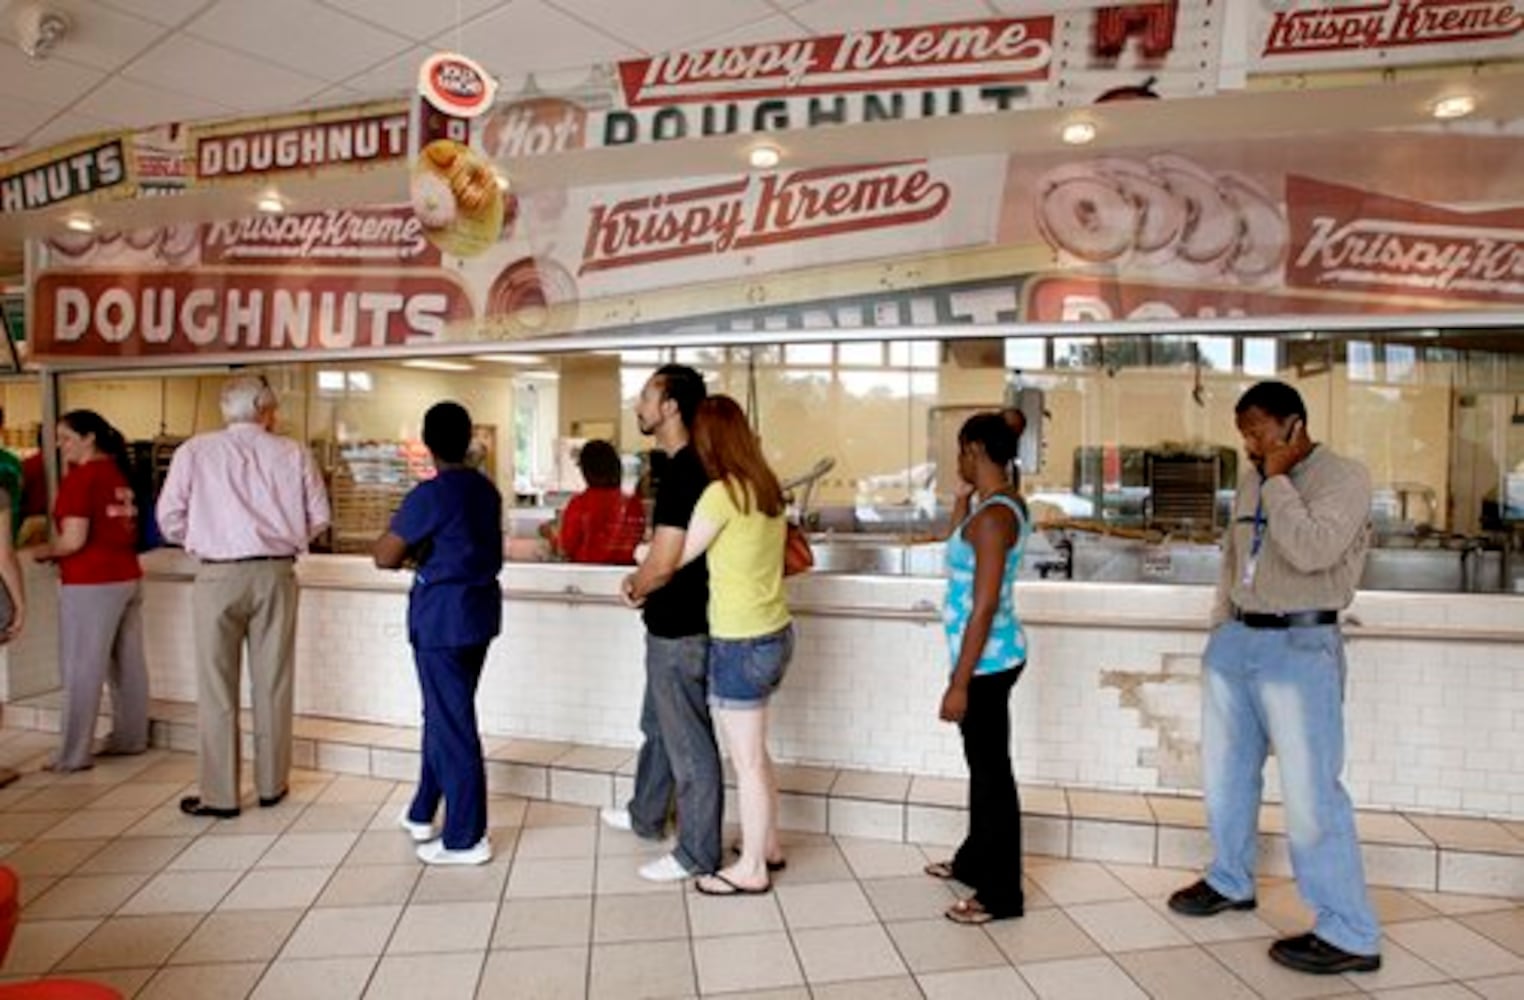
[1110, 699]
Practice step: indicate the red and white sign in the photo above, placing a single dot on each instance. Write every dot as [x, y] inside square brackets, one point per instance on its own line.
[353, 237]
[305, 143]
[456, 85]
[138, 313]
[1346, 238]
[1079, 299]
[1319, 34]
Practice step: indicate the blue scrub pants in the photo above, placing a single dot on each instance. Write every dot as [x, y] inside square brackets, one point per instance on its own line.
[452, 748]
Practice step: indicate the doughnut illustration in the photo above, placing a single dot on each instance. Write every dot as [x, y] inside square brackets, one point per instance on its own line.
[1086, 213]
[522, 296]
[1212, 227]
[1263, 242]
[433, 200]
[72, 244]
[143, 239]
[455, 195]
[1161, 216]
[179, 243]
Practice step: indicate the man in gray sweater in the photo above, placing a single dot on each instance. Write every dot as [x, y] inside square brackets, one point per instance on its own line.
[1273, 675]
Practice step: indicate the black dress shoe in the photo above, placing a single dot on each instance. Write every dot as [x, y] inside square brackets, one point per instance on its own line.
[1310, 953]
[1200, 900]
[274, 800]
[192, 805]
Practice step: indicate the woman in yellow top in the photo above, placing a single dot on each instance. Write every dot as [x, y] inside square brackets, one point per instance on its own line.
[739, 522]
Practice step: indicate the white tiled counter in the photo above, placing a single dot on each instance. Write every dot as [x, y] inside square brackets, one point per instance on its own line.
[1110, 699]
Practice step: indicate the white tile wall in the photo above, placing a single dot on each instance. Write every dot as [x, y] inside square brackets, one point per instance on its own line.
[1432, 724]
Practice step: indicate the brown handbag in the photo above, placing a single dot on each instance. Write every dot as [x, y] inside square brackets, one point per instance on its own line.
[797, 556]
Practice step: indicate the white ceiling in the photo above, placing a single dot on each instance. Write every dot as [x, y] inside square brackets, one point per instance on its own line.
[144, 62]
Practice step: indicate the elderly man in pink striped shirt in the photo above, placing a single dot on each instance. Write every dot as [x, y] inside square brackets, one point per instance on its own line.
[245, 502]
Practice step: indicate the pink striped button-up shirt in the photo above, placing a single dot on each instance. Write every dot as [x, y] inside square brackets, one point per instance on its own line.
[242, 492]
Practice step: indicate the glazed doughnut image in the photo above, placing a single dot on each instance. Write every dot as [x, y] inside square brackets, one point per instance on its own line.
[455, 194]
[143, 239]
[521, 298]
[72, 244]
[473, 184]
[1263, 242]
[1086, 213]
[179, 243]
[1212, 226]
[433, 200]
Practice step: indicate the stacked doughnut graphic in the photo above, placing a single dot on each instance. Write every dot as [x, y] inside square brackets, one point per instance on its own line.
[169, 245]
[1161, 213]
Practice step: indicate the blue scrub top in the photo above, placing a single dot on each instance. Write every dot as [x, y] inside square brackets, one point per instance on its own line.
[453, 524]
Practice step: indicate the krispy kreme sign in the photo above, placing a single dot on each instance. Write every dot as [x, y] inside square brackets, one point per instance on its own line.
[364, 237]
[74, 170]
[117, 313]
[349, 138]
[1346, 238]
[760, 210]
[1323, 35]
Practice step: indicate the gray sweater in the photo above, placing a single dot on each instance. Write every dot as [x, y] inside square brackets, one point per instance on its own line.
[1316, 531]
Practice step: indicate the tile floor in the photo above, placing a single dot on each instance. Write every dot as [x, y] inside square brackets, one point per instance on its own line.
[320, 897]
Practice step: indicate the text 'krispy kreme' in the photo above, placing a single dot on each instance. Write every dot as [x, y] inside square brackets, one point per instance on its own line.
[871, 59]
[759, 211]
[301, 147]
[1400, 24]
[348, 236]
[172, 312]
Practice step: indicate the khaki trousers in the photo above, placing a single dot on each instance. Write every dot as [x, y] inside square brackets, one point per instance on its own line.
[233, 603]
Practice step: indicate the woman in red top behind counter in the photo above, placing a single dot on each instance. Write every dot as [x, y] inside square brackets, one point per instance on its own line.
[100, 621]
[602, 524]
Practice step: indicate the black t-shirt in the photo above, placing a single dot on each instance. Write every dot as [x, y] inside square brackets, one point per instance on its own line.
[681, 608]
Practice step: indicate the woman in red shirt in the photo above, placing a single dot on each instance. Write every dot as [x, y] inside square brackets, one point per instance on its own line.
[602, 524]
[100, 620]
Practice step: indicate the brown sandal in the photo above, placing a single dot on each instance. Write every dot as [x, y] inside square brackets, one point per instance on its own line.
[968, 912]
[940, 869]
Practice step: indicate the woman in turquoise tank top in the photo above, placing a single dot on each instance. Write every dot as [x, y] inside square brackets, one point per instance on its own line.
[988, 651]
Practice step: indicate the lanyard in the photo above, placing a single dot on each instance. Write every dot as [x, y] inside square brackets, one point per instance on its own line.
[1258, 539]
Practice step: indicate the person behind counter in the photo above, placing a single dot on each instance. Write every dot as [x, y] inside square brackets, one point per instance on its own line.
[989, 651]
[602, 524]
[245, 502]
[739, 522]
[452, 525]
[100, 601]
[1272, 674]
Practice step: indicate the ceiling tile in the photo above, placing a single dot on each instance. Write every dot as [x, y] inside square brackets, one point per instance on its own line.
[527, 36]
[777, 28]
[414, 18]
[828, 16]
[49, 83]
[189, 65]
[393, 78]
[69, 125]
[18, 119]
[98, 36]
[298, 34]
[659, 25]
[162, 11]
[136, 104]
[1031, 8]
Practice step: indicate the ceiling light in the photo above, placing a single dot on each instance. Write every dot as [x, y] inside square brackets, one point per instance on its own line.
[271, 204]
[433, 365]
[512, 359]
[1078, 133]
[765, 157]
[1454, 106]
[80, 224]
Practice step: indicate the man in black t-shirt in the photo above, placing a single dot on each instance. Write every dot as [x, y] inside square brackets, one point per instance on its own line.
[679, 753]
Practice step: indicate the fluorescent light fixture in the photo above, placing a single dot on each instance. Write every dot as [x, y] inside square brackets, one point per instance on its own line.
[435, 365]
[80, 224]
[765, 157]
[1079, 133]
[511, 359]
[271, 204]
[1454, 106]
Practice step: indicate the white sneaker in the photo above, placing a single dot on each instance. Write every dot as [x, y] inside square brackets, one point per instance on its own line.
[421, 833]
[664, 869]
[616, 819]
[436, 853]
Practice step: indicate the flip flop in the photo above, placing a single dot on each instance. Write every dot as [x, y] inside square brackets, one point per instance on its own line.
[940, 869]
[772, 866]
[968, 912]
[729, 888]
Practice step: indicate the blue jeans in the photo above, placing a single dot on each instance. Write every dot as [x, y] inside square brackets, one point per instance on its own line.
[744, 673]
[679, 754]
[1284, 687]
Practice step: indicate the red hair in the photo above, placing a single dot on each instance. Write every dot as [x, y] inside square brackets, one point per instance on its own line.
[731, 454]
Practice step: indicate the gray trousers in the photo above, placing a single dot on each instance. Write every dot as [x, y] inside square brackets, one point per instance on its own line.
[234, 603]
[100, 639]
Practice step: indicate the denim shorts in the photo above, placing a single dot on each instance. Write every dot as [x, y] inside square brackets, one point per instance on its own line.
[743, 673]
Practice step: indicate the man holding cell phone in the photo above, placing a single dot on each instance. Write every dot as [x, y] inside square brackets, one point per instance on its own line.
[1273, 676]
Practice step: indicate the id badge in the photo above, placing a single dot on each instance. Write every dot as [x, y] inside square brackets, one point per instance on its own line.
[1250, 565]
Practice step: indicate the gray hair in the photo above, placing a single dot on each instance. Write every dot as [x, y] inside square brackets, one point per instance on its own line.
[245, 397]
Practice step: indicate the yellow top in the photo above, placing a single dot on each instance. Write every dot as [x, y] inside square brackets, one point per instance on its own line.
[745, 568]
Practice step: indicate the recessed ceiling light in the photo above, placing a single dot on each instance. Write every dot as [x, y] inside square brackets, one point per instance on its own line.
[433, 365]
[1454, 106]
[765, 157]
[271, 204]
[512, 359]
[80, 224]
[1078, 133]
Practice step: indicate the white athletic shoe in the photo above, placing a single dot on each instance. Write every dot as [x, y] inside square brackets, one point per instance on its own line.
[436, 853]
[664, 869]
[616, 819]
[421, 833]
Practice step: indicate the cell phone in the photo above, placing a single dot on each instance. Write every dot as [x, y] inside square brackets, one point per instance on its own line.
[1291, 429]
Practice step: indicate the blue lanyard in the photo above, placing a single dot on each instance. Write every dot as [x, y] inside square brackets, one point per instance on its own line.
[1259, 525]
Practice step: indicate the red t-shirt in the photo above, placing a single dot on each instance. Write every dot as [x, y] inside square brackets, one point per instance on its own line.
[99, 492]
[602, 525]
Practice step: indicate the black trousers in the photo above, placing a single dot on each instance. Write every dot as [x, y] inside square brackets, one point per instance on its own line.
[990, 859]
